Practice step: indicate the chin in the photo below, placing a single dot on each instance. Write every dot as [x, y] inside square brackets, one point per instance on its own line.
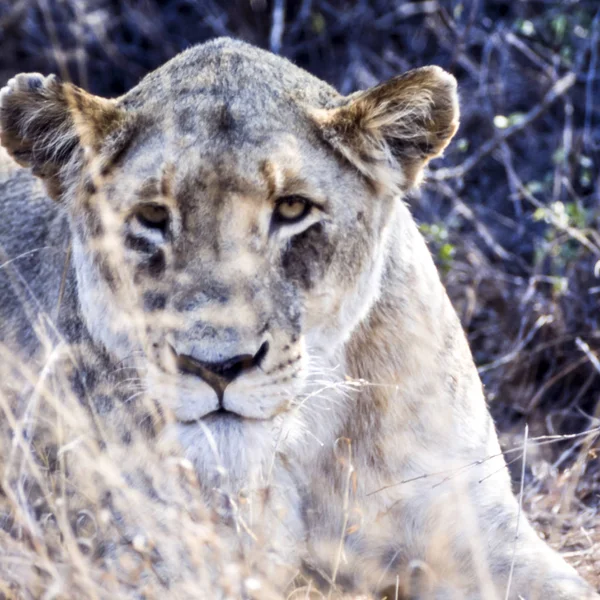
[230, 453]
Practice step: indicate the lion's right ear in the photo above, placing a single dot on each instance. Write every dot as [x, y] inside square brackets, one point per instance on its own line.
[391, 131]
[44, 122]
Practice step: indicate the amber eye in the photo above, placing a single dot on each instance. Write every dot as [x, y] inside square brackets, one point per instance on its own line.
[291, 209]
[153, 216]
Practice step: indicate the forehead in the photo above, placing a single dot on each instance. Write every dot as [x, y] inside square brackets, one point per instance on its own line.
[230, 82]
[225, 110]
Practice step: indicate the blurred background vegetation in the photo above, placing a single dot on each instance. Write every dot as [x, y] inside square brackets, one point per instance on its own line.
[511, 212]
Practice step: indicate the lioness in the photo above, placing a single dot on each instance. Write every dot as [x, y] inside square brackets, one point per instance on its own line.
[237, 227]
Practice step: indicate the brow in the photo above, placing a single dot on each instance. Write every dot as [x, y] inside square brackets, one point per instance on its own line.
[286, 184]
[149, 189]
[267, 170]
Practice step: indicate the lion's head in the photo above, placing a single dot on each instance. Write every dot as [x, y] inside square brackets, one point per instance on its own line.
[229, 216]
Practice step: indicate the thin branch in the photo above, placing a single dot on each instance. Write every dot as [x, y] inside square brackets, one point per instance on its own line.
[556, 91]
[589, 84]
[277, 26]
[507, 358]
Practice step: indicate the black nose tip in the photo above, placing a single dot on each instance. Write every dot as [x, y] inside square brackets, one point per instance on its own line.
[220, 374]
[229, 369]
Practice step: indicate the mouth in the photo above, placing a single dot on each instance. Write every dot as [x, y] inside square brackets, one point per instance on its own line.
[200, 392]
[218, 412]
[221, 414]
[218, 375]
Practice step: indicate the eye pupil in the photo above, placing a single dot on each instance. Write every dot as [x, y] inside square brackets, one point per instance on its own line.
[153, 216]
[291, 209]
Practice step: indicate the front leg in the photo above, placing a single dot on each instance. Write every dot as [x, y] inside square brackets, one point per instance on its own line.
[468, 548]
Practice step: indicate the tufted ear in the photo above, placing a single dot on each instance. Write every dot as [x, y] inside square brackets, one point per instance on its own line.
[44, 122]
[401, 123]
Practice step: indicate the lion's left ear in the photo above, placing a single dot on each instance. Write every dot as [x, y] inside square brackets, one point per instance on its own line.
[45, 124]
[402, 123]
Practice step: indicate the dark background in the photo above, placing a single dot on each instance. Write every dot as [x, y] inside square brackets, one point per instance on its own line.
[512, 210]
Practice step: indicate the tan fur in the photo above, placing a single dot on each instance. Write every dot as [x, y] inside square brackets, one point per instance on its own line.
[409, 118]
[365, 415]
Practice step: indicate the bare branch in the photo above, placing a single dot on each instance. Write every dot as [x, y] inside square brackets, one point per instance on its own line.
[559, 88]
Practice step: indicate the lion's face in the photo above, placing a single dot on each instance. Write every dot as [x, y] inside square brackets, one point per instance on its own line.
[232, 268]
[229, 217]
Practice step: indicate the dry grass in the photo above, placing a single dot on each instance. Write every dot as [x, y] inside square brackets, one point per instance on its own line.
[91, 508]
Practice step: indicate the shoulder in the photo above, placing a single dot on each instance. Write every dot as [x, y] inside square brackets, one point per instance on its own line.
[33, 238]
[26, 211]
[8, 166]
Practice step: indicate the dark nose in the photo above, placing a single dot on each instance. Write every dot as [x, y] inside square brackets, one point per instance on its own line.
[219, 374]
